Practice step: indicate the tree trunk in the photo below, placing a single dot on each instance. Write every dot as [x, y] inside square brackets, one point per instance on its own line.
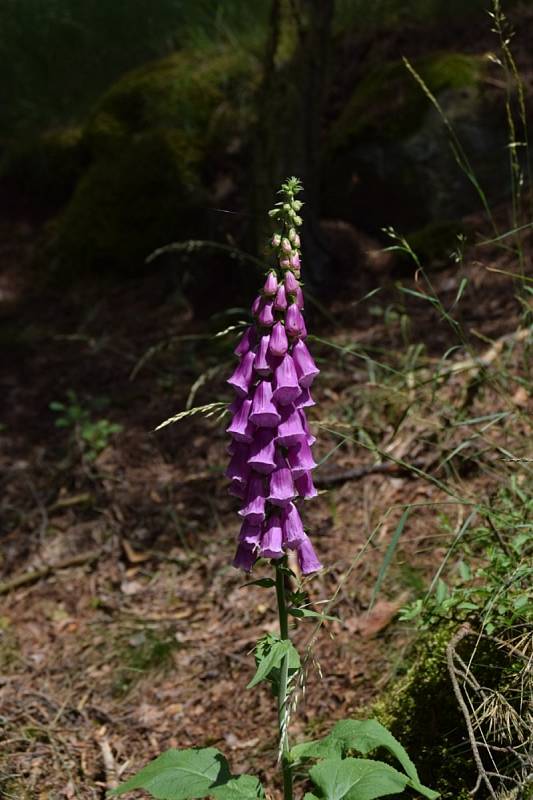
[287, 138]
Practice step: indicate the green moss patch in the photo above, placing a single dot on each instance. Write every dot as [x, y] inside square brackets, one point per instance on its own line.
[202, 97]
[152, 138]
[130, 203]
[388, 104]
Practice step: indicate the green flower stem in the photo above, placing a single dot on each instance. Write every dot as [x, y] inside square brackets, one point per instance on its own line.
[284, 675]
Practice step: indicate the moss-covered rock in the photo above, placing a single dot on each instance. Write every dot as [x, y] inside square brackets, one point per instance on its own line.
[388, 104]
[389, 156]
[131, 202]
[153, 139]
[421, 710]
[204, 97]
[39, 174]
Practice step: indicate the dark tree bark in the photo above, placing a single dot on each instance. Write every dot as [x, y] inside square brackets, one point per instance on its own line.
[287, 138]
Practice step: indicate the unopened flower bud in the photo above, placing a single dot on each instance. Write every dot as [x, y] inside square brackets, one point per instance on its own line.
[291, 284]
[280, 302]
[271, 284]
[276, 240]
[297, 220]
[297, 204]
[294, 322]
[285, 263]
[292, 234]
[296, 241]
[286, 245]
[295, 260]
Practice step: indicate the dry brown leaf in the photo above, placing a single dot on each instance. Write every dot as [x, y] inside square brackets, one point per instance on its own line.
[373, 622]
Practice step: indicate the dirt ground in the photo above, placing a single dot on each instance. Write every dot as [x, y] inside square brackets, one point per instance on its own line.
[143, 639]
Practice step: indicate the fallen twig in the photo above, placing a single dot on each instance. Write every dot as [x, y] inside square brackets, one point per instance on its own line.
[362, 471]
[49, 569]
[465, 630]
[108, 758]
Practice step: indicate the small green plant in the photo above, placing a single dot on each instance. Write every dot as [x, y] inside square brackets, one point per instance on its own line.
[489, 583]
[90, 436]
[144, 651]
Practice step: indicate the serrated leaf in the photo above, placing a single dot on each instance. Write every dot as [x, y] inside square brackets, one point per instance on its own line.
[244, 787]
[270, 660]
[356, 779]
[180, 775]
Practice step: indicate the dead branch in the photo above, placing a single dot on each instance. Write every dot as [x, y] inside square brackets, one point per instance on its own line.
[387, 468]
[35, 575]
[465, 630]
[108, 758]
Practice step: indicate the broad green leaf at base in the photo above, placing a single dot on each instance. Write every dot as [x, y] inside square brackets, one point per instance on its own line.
[356, 779]
[244, 787]
[180, 775]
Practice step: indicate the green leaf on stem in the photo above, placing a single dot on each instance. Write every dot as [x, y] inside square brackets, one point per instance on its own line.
[356, 779]
[307, 612]
[269, 657]
[244, 787]
[181, 775]
[321, 748]
[366, 735]
[266, 583]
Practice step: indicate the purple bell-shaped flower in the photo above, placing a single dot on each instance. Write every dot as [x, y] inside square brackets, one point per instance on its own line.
[300, 459]
[245, 557]
[271, 543]
[254, 510]
[307, 558]
[241, 428]
[262, 363]
[286, 386]
[304, 399]
[264, 413]
[242, 377]
[238, 467]
[290, 430]
[305, 487]
[279, 344]
[251, 533]
[306, 369]
[292, 528]
[281, 484]
[262, 451]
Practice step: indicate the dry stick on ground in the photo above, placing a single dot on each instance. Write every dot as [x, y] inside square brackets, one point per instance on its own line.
[35, 575]
[365, 469]
[484, 361]
[108, 758]
[466, 630]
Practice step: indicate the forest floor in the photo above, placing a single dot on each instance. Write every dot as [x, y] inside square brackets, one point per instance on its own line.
[137, 635]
